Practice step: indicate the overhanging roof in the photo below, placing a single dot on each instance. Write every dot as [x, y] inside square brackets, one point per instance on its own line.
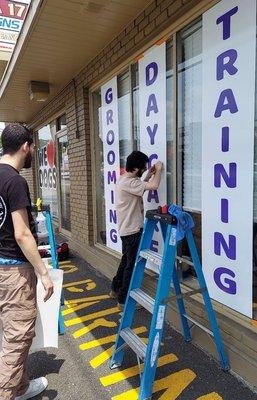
[58, 39]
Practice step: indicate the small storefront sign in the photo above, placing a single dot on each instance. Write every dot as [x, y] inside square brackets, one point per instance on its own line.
[47, 175]
[111, 158]
[229, 46]
[152, 117]
[12, 15]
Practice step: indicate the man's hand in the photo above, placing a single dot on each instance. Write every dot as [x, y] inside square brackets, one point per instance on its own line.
[150, 173]
[159, 166]
[48, 286]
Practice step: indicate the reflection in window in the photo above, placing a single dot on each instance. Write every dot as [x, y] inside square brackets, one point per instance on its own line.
[190, 115]
[169, 115]
[189, 98]
[64, 181]
[61, 122]
[47, 176]
[255, 208]
[124, 111]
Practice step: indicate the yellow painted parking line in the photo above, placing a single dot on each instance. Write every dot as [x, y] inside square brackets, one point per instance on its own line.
[210, 396]
[107, 339]
[74, 283]
[106, 355]
[79, 320]
[98, 322]
[71, 310]
[133, 371]
[90, 285]
[69, 268]
[173, 385]
[85, 299]
[101, 358]
[64, 262]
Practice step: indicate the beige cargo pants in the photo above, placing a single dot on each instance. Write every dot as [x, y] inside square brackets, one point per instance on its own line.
[18, 317]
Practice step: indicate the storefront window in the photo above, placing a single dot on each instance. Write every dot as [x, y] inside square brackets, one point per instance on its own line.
[189, 122]
[124, 111]
[187, 107]
[99, 176]
[61, 122]
[47, 176]
[64, 172]
[190, 115]
[255, 209]
[125, 144]
[169, 114]
[129, 133]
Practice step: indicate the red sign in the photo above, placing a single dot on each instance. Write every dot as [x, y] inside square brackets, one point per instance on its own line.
[13, 9]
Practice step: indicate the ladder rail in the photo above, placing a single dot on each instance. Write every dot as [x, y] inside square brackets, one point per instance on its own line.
[135, 283]
[166, 268]
[207, 301]
[157, 323]
[55, 262]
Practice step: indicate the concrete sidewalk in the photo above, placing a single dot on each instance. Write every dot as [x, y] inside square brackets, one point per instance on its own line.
[79, 368]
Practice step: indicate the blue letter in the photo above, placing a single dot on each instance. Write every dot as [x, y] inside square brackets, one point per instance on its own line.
[230, 249]
[151, 105]
[109, 117]
[113, 216]
[113, 235]
[226, 19]
[111, 177]
[152, 133]
[149, 81]
[108, 96]
[153, 194]
[230, 286]
[110, 137]
[219, 171]
[226, 66]
[224, 210]
[230, 104]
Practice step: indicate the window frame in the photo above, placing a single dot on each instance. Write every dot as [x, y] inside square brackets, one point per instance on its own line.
[53, 118]
[172, 34]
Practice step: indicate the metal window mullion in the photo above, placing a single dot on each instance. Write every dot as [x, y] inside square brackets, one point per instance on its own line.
[175, 122]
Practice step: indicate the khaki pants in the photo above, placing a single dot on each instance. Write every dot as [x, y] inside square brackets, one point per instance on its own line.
[18, 317]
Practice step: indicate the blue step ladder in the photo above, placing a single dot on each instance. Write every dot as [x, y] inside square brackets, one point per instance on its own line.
[55, 264]
[165, 267]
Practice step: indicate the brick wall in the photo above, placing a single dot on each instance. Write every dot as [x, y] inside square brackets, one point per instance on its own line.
[159, 15]
[29, 175]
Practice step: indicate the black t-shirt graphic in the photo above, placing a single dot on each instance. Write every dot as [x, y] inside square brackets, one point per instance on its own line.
[14, 195]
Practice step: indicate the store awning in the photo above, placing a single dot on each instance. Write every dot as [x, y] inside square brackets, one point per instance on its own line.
[58, 39]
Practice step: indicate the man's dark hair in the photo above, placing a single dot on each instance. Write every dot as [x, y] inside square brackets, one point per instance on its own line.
[136, 159]
[14, 136]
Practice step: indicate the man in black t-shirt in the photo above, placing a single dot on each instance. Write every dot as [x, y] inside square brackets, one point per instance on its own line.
[19, 258]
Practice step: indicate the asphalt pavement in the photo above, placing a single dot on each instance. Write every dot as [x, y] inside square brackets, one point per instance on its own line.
[79, 369]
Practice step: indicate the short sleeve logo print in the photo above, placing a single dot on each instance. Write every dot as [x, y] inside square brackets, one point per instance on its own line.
[3, 212]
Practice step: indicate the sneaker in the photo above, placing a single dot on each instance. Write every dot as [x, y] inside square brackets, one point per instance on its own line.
[36, 386]
[113, 295]
[120, 306]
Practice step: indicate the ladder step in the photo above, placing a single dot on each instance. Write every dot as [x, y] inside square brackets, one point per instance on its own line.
[199, 325]
[134, 342]
[154, 258]
[142, 298]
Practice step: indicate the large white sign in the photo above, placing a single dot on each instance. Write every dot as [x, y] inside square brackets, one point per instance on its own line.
[111, 159]
[229, 31]
[152, 103]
